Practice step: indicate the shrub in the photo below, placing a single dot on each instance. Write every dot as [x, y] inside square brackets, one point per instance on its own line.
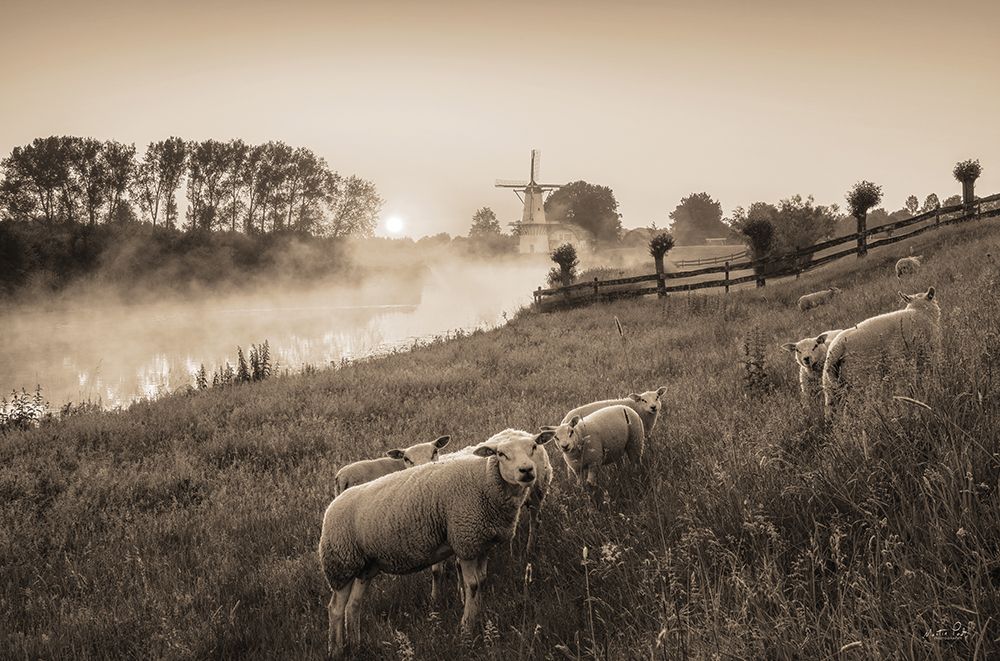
[565, 257]
[660, 245]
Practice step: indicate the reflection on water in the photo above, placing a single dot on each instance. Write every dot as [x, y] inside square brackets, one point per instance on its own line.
[117, 353]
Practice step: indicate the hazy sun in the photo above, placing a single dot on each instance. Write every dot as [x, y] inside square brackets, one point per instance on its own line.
[394, 225]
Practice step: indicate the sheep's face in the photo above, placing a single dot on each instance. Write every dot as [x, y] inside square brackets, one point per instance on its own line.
[515, 455]
[567, 436]
[650, 401]
[924, 301]
[421, 453]
[809, 353]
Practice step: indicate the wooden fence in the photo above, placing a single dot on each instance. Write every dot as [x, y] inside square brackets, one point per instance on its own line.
[775, 266]
[712, 260]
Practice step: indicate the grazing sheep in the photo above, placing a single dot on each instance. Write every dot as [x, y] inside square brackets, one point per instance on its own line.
[409, 520]
[810, 355]
[602, 437]
[913, 331]
[647, 405]
[818, 298]
[908, 265]
[367, 470]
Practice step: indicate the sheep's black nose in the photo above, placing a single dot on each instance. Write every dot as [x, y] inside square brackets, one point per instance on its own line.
[527, 474]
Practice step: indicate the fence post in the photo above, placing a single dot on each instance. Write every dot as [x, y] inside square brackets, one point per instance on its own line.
[538, 295]
[937, 216]
[727, 277]
[661, 286]
[595, 286]
[862, 235]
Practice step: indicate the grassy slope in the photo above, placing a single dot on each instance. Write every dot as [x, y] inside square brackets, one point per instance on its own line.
[187, 527]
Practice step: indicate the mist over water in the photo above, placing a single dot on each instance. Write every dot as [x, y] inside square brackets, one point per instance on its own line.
[101, 349]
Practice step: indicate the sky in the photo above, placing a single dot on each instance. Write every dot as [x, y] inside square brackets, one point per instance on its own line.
[433, 101]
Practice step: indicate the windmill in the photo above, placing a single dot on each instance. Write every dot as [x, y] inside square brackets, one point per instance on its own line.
[534, 229]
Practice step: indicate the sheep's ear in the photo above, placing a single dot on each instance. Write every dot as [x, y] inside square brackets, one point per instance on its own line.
[545, 436]
[789, 347]
[930, 293]
[660, 391]
[903, 296]
[575, 421]
[441, 442]
[546, 428]
[485, 451]
[821, 339]
[635, 397]
[395, 454]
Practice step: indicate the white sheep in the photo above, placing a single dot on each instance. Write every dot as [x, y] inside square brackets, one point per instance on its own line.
[914, 331]
[647, 405]
[810, 356]
[397, 459]
[908, 265]
[603, 437]
[818, 298]
[409, 520]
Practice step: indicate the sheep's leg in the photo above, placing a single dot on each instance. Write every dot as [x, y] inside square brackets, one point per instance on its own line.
[437, 583]
[335, 611]
[532, 529]
[353, 610]
[473, 574]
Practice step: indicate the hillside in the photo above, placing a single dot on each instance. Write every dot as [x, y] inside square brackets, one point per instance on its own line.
[188, 527]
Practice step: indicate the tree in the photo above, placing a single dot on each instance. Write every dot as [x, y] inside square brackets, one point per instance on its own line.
[659, 246]
[590, 206]
[208, 162]
[36, 176]
[232, 180]
[119, 168]
[862, 197]
[967, 172]
[355, 205]
[87, 166]
[912, 204]
[697, 218]
[952, 201]
[757, 211]
[759, 233]
[565, 257]
[932, 202]
[484, 224]
[157, 178]
[800, 223]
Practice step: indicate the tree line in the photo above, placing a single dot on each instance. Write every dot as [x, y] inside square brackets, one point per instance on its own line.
[229, 185]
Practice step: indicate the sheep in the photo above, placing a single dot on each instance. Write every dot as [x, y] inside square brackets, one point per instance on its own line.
[810, 355]
[916, 329]
[407, 521]
[908, 265]
[600, 438]
[816, 299]
[647, 405]
[367, 470]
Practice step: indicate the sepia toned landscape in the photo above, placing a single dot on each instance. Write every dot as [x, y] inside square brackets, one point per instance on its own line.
[307, 352]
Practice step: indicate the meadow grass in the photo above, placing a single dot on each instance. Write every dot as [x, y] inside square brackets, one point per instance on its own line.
[188, 527]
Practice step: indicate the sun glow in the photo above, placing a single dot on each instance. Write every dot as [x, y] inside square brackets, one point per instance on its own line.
[394, 225]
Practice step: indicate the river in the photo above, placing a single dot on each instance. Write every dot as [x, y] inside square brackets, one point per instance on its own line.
[102, 350]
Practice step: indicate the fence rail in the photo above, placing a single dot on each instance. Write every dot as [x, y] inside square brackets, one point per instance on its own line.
[792, 263]
[711, 260]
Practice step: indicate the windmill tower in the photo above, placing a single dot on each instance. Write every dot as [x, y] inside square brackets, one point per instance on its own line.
[535, 231]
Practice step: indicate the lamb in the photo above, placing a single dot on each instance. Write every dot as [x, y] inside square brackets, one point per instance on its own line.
[367, 470]
[647, 405]
[914, 330]
[817, 299]
[409, 520]
[908, 265]
[810, 355]
[600, 438]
